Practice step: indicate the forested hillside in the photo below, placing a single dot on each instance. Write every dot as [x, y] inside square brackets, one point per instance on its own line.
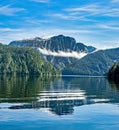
[96, 63]
[23, 60]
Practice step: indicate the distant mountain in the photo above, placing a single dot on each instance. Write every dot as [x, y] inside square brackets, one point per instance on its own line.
[16, 60]
[59, 50]
[96, 63]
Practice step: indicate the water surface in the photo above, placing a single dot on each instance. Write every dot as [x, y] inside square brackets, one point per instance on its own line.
[76, 103]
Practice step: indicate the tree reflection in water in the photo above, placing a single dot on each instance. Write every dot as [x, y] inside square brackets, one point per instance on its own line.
[55, 94]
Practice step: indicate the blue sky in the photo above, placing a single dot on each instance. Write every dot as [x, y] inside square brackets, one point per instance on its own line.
[93, 22]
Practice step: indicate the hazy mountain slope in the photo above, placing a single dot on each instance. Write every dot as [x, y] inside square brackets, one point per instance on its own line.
[96, 63]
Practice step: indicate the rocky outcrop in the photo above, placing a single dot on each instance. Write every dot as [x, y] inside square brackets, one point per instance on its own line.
[59, 50]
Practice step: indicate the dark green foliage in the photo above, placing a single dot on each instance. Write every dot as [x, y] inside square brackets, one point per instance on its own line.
[96, 63]
[23, 60]
[113, 74]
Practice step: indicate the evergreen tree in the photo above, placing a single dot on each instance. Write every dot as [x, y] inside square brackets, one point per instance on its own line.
[23, 60]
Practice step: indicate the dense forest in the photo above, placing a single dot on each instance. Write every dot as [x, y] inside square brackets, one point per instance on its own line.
[96, 63]
[23, 60]
[113, 74]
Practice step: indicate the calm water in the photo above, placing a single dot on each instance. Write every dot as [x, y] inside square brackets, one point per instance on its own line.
[72, 103]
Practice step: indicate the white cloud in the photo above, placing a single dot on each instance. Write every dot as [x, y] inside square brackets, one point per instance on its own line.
[87, 8]
[73, 31]
[115, 1]
[86, 13]
[89, 37]
[62, 54]
[41, 1]
[94, 10]
[69, 16]
[36, 21]
[10, 34]
[9, 30]
[9, 11]
[107, 44]
[108, 27]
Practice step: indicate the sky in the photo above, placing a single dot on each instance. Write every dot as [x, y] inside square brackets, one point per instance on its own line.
[92, 22]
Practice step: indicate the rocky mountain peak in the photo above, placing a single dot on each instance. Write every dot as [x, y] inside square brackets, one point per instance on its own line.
[59, 50]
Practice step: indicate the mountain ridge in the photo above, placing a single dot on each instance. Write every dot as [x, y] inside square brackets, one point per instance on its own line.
[58, 50]
[94, 64]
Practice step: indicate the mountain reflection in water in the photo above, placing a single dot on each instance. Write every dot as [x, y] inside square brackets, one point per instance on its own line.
[57, 95]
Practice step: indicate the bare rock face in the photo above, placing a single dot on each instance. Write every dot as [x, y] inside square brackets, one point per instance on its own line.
[59, 50]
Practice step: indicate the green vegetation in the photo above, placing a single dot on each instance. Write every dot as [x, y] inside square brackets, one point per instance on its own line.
[23, 60]
[113, 74]
[94, 64]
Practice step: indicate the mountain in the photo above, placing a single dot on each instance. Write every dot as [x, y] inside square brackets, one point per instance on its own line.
[16, 60]
[113, 73]
[96, 63]
[59, 50]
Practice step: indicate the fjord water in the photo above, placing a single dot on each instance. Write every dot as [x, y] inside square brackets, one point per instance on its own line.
[58, 103]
